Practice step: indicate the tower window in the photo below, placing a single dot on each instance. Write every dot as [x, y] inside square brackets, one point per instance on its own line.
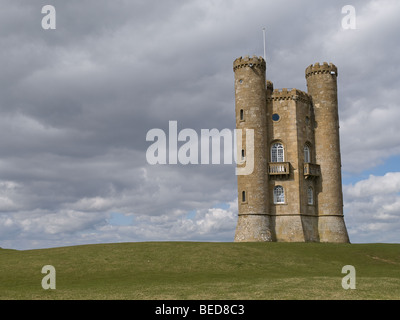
[243, 196]
[241, 115]
[310, 195]
[243, 155]
[307, 157]
[277, 153]
[275, 117]
[279, 195]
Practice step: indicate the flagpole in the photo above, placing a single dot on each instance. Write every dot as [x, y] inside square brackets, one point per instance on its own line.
[265, 57]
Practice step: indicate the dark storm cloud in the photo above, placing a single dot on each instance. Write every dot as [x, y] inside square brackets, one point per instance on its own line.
[77, 102]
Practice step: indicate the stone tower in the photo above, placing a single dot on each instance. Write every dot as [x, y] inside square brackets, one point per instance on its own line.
[294, 193]
[250, 94]
[322, 87]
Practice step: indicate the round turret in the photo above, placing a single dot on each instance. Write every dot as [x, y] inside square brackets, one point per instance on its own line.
[322, 87]
[325, 68]
[250, 104]
[255, 61]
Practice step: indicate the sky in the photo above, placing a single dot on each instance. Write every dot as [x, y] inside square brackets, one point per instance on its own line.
[77, 102]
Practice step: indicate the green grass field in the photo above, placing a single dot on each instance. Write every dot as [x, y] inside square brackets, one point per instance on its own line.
[198, 270]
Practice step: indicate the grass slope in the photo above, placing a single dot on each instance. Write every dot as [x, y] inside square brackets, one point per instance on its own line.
[198, 270]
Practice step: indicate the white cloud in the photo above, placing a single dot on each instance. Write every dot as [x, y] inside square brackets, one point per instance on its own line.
[39, 223]
[92, 204]
[213, 224]
[372, 208]
[368, 80]
[375, 186]
[37, 229]
[369, 134]
[7, 192]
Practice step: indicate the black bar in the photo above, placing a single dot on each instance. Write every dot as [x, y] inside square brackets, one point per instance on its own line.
[198, 309]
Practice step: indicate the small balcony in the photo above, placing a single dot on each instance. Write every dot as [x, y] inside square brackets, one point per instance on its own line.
[311, 170]
[278, 168]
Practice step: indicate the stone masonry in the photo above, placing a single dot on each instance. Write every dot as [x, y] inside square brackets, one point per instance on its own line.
[295, 191]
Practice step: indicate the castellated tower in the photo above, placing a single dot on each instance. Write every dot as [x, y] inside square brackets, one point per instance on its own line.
[250, 94]
[294, 193]
[322, 86]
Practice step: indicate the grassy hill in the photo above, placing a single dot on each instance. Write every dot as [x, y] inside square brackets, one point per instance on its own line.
[198, 270]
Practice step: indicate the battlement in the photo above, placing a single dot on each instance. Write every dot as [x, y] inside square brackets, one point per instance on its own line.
[321, 69]
[270, 86]
[293, 94]
[249, 62]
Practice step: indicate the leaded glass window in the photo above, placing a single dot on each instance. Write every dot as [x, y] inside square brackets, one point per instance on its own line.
[307, 158]
[279, 195]
[277, 153]
[310, 195]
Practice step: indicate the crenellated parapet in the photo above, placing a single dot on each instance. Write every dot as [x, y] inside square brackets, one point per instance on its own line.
[293, 94]
[270, 86]
[325, 68]
[249, 62]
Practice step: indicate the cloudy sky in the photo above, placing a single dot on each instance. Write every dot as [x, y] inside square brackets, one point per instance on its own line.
[77, 102]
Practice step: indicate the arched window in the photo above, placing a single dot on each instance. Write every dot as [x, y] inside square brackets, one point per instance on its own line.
[310, 195]
[307, 155]
[279, 195]
[243, 196]
[241, 115]
[277, 152]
